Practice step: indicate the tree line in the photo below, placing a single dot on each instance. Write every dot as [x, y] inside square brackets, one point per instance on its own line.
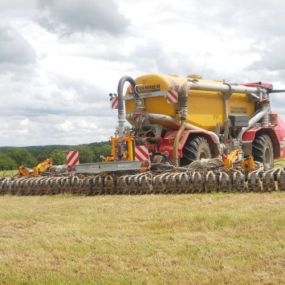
[12, 158]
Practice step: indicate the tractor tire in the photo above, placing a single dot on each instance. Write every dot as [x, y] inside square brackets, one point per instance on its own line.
[262, 151]
[195, 149]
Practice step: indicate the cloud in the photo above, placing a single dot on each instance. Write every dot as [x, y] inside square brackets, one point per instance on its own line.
[256, 18]
[271, 56]
[71, 16]
[59, 59]
[49, 109]
[18, 8]
[52, 95]
[14, 49]
[13, 5]
[54, 129]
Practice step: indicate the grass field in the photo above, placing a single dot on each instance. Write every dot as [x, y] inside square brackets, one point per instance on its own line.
[182, 239]
[6, 173]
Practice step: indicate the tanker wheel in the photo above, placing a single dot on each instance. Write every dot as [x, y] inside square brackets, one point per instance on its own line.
[262, 150]
[195, 149]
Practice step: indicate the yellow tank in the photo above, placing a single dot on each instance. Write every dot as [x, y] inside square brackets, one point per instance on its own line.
[205, 108]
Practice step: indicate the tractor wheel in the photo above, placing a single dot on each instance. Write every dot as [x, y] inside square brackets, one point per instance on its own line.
[195, 149]
[262, 150]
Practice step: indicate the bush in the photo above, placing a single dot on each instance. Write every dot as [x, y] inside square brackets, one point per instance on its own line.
[7, 163]
[58, 157]
[22, 157]
[85, 154]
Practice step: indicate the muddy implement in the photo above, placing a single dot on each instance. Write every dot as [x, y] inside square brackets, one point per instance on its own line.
[167, 182]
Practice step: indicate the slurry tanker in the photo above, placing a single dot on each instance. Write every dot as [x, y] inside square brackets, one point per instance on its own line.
[184, 135]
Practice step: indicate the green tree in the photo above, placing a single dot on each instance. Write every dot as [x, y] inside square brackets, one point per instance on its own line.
[99, 149]
[6, 162]
[85, 154]
[105, 150]
[58, 157]
[96, 153]
[22, 156]
[42, 155]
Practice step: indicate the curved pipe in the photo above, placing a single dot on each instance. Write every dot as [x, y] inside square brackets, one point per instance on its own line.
[264, 111]
[168, 119]
[213, 135]
[121, 108]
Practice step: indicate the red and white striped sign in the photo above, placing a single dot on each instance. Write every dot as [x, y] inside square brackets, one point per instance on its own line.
[72, 157]
[172, 96]
[114, 102]
[141, 153]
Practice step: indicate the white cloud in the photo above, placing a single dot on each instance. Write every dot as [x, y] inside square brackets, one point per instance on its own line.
[15, 50]
[71, 16]
[60, 59]
[25, 122]
[65, 126]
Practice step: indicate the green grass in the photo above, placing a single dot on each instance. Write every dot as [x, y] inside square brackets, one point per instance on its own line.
[6, 173]
[182, 239]
[279, 162]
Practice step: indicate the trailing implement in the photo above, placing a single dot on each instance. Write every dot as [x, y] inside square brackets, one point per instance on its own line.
[186, 135]
[39, 169]
[172, 181]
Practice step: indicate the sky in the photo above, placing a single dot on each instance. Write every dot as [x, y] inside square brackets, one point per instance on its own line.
[59, 59]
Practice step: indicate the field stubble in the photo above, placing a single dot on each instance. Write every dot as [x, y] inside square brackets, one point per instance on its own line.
[182, 239]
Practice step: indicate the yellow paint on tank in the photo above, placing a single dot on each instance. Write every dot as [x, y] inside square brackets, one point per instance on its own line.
[148, 84]
[205, 108]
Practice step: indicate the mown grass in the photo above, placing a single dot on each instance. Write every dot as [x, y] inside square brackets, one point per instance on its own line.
[182, 239]
[8, 173]
[279, 162]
